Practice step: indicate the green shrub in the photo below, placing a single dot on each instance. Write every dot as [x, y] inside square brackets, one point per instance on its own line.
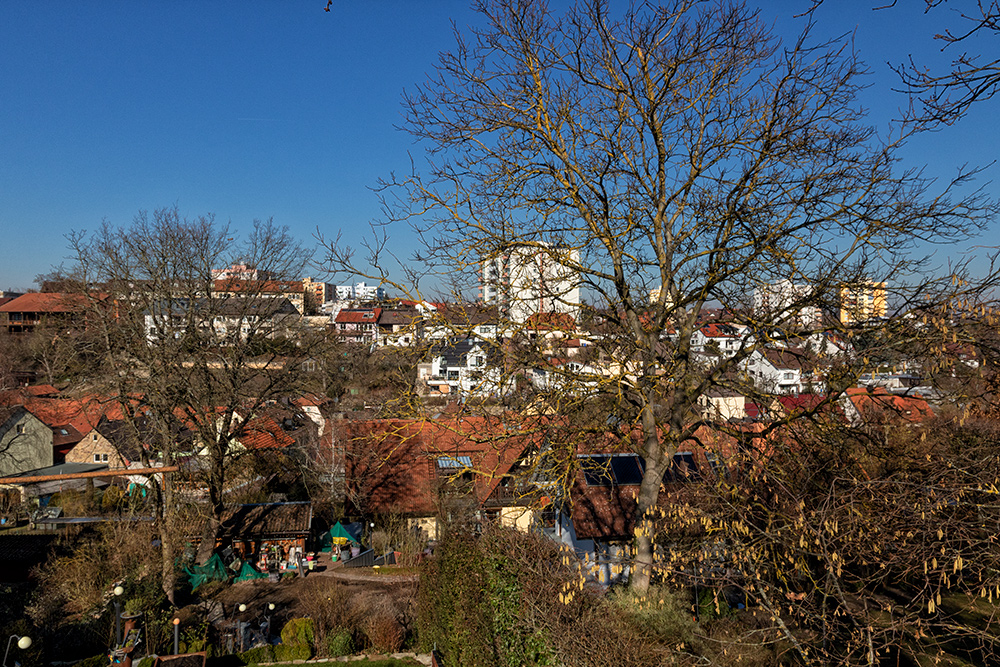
[289, 652]
[340, 643]
[659, 614]
[145, 662]
[99, 660]
[298, 631]
[256, 656]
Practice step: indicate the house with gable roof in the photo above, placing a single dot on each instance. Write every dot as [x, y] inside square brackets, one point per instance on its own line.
[28, 311]
[465, 367]
[25, 441]
[424, 470]
[357, 325]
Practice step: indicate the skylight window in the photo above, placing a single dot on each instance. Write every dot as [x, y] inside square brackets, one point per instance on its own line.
[454, 462]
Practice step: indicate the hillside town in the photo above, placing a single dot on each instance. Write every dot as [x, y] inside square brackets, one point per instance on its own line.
[519, 334]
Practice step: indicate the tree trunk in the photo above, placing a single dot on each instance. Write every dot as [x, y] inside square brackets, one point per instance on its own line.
[649, 493]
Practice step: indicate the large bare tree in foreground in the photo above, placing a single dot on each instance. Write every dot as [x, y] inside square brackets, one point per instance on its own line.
[679, 147]
[178, 349]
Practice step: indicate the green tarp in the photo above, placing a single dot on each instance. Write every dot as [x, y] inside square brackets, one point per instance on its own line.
[248, 572]
[336, 535]
[213, 570]
[338, 532]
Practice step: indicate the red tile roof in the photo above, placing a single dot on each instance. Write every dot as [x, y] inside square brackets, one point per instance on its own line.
[264, 433]
[392, 465]
[362, 316]
[44, 302]
[878, 404]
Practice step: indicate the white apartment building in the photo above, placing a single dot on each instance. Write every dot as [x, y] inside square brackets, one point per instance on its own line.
[525, 281]
[775, 301]
[360, 292]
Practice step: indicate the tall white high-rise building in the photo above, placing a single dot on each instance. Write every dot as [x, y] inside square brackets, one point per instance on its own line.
[524, 281]
[778, 301]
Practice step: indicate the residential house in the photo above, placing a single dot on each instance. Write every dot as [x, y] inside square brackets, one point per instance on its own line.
[875, 406]
[29, 311]
[112, 442]
[721, 339]
[25, 441]
[720, 404]
[228, 319]
[398, 327]
[783, 371]
[357, 325]
[292, 290]
[465, 367]
[597, 518]
[455, 469]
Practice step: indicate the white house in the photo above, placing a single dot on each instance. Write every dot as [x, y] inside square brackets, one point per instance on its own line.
[467, 367]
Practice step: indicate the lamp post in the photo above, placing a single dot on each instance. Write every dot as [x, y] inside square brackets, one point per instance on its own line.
[241, 628]
[177, 636]
[22, 643]
[266, 627]
[118, 614]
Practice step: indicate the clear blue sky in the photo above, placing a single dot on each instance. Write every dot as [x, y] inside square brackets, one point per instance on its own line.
[266, 108]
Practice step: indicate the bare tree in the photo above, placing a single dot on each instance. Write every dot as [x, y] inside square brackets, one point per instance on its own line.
[947, 96]
[680, 148]
[181, 343]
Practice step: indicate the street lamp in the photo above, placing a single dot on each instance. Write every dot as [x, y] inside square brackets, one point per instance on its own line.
[241, 627]
[118, 614]
[22, 643]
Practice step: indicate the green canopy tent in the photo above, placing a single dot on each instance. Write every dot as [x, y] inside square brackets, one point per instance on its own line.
[247, 572]
[213, 570]
[336, 535]
[340, 535]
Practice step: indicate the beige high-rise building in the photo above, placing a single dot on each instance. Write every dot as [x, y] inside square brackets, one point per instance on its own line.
[529, 280]
[862, 302]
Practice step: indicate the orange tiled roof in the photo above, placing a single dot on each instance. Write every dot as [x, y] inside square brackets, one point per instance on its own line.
[880, 403]
[44, 302]
[264, 433]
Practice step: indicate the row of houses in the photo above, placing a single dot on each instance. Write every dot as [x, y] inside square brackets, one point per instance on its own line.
[534, 473]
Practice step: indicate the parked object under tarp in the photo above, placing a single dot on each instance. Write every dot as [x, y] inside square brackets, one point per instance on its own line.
[213, 570]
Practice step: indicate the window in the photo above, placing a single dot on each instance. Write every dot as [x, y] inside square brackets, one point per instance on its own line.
[20, 429]
[716, 464]
[97, 458]
[104, 458]
[94, 437]
[612, 470]
[683, 469]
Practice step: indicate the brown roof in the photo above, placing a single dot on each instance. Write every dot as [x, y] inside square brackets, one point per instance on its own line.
[556, 321]
[393, 317]
[268, 519]
[44, 302]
